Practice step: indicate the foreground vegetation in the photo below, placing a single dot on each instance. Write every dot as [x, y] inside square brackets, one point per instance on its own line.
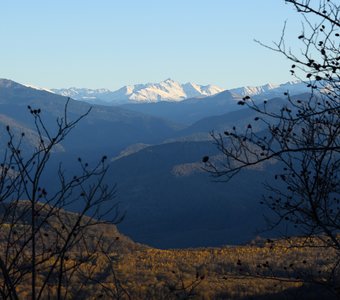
[277, 268]
[284, 269]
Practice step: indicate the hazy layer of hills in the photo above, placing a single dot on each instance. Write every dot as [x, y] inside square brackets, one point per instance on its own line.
[105, 130]
[156, 162]
[190, 110]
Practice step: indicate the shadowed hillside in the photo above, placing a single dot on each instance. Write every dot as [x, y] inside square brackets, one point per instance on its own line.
[171, 202]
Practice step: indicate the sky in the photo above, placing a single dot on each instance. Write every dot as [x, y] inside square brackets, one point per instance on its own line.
[112, 43]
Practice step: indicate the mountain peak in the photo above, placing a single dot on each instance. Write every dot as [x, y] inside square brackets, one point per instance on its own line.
[169, 80]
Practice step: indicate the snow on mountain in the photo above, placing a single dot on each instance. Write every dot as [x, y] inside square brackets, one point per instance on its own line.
[7, 83]
[83, 93]
[37, 88]
[272, 90]
[170, 90]
[167, 90]
[194, 90]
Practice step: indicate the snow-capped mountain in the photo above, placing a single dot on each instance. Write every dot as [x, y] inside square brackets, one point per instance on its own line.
[84, 94]
[170, 90]
[167, 90]
[272, 90]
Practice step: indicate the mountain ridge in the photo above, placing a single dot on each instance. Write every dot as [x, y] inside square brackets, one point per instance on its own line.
[271, 90]
[167, 90]
[173, 91]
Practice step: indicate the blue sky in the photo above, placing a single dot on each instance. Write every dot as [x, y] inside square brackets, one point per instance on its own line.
[111, 43]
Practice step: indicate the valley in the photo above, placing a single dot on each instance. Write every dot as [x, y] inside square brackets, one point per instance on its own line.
[168, 199]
